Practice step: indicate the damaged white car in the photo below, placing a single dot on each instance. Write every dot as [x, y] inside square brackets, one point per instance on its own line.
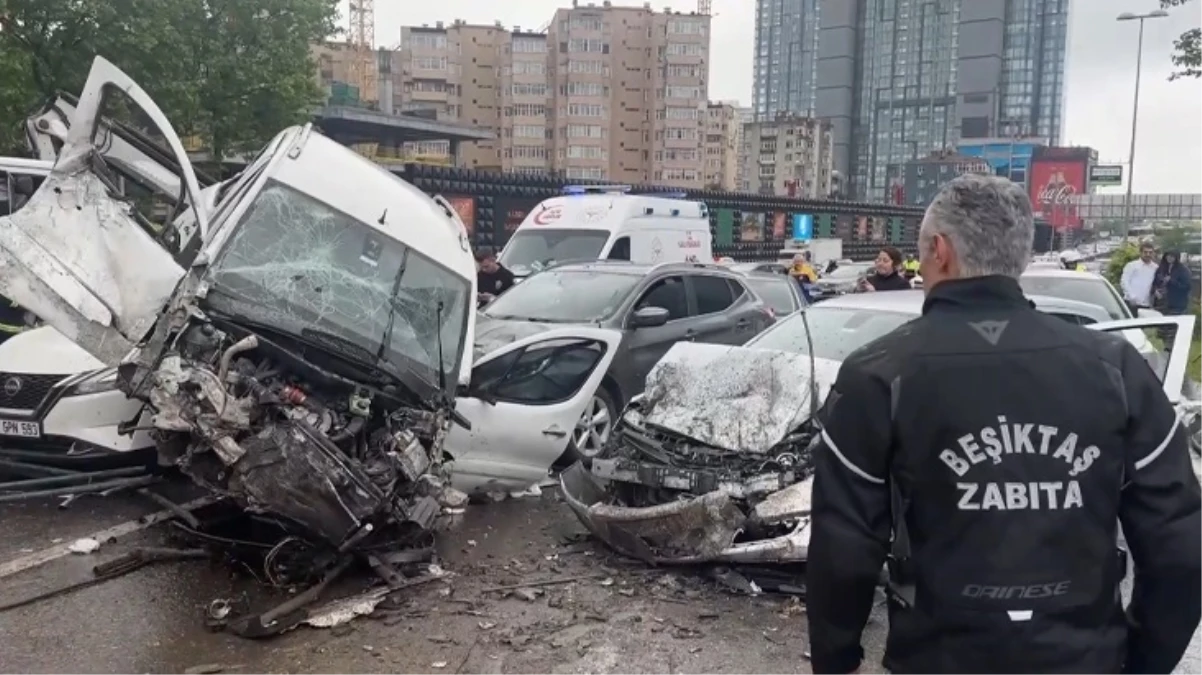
[303, 359]
[713, 463]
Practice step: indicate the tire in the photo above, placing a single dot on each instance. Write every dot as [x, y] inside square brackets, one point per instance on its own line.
[588, 443]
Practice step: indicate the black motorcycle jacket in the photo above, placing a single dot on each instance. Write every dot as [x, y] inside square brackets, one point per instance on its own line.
[989, 452]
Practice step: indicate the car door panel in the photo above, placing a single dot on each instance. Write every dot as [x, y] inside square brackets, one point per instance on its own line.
[646, 346]
[717, 327]
[75, 256]
[512, 445]
[1164, 342]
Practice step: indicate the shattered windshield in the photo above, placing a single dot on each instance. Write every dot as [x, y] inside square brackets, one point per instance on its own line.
[565, 296]
[533, 250]
[315, 269]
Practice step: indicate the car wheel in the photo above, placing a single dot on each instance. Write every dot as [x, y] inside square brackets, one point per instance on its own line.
[594, 426]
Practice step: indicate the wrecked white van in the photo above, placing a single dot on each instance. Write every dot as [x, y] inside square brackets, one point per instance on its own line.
[303, 360]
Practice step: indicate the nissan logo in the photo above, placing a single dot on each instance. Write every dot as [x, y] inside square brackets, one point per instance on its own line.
[12, 386]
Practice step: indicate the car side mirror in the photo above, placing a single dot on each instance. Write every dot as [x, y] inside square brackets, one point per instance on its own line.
[650, 317]
[479, 392]
[1147, 313]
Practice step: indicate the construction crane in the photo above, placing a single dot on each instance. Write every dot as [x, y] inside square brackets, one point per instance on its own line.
[362, 39]
[705, 7]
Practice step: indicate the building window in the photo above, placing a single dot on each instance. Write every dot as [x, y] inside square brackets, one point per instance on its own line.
[679, 114]
[586, 110]
[429, 63]
[529, 68]
[529, 45]
[682, 92]
[682, 70]
[526, 110]
[529, 152]
[529, 131]
[529, 89]
[427, 40]
[588, 46]
[686, 27]
[684, 49]
[587, 67]
[586, 89]
[585, 172]
[587, 152]
[586, 131]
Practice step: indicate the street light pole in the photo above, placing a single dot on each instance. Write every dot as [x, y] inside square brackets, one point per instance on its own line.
[1139, 60]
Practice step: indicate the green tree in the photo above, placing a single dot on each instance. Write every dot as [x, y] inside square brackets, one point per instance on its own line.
[1187, 54]
[233, 72]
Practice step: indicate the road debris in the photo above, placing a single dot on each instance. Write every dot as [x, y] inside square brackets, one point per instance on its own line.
[206, 669]
[84, 546]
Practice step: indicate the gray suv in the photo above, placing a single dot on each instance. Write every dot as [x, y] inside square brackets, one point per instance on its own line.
[655, 306]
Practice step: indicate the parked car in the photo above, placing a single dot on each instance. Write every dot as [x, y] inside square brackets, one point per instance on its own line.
[843, 279]
[653, 306]
[779, 292]
[1079, 286]
[763, 267]
[687, 479]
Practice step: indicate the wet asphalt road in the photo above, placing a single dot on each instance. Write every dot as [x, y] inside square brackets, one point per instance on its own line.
[629, 621]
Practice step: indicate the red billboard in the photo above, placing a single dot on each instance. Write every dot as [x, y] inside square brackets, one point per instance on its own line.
[1053, 185]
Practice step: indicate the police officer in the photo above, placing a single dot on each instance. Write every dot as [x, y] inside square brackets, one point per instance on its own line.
[987, 453]
[910, 267]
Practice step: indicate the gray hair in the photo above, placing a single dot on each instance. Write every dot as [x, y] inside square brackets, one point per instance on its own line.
[989, 222]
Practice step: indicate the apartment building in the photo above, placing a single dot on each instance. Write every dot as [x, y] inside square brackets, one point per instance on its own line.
[722, 145]
[790, 155]
[600, 92]
[630, 88]
[457, 73]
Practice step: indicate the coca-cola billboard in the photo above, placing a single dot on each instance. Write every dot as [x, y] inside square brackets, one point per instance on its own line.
[1054, 185]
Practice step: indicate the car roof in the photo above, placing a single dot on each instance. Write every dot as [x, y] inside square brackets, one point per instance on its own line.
[761, 274]
[1059, 273]
[910, 302]
[626, 267]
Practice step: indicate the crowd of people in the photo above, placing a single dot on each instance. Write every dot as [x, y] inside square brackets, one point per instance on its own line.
[1164, 284]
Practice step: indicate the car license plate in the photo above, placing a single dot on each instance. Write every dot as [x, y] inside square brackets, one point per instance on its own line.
[21, 429]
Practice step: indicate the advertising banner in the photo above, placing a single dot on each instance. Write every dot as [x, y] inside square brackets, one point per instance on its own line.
[1105, 175]
[725, 235]
[1053, 185]
[509, 216]
[803, 226]
[752, 228]
[465, 208]
[778, 225]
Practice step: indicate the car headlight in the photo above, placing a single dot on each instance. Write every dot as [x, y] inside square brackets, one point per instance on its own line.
[105, 380]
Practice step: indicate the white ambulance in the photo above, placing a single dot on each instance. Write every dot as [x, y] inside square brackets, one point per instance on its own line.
[606, 222]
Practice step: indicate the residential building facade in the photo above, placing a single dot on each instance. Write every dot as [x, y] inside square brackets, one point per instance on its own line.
[901, 78]
[789, 156]
[630, 89]
[722, 146]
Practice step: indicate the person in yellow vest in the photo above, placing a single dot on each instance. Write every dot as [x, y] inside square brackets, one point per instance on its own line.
[1071, 260]
[12, 319]
[804, 274]
[910, 267]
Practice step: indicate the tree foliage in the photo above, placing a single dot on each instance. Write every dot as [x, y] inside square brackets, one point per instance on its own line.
[233, 72]
[1187, 49]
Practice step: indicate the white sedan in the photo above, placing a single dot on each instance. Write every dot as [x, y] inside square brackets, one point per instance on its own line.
[687, 480]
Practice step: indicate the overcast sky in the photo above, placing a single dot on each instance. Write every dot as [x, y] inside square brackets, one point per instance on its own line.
[1101, 73]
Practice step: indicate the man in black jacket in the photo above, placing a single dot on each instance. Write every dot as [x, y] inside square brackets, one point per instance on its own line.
[988, 453]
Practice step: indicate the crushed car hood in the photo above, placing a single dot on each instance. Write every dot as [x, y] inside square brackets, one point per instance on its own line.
[738, 398]
[492, 334]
